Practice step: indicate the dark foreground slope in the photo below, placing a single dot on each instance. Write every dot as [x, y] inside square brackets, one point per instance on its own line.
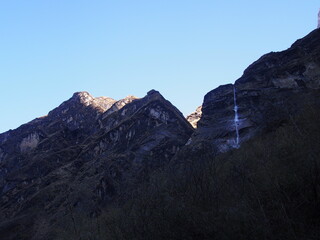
[81, 157]
[267, 189]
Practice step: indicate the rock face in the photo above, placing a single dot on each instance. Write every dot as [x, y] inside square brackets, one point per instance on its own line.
[85, 153]
[90, 152]
[118, 105]
[194, 117]
[270, 91]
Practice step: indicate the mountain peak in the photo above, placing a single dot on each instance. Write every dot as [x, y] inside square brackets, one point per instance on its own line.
[154, 95]
[83, 97]
[153, 92]
[102, 104]
[130, 98]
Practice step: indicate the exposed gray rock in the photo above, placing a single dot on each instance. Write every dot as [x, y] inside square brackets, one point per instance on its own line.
[118, 105]
[30, 142]
[194, 117]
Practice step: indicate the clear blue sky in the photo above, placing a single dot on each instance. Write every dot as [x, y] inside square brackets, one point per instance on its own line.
[115, 48]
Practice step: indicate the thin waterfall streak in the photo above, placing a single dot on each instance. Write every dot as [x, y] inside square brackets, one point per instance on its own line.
[236, 117]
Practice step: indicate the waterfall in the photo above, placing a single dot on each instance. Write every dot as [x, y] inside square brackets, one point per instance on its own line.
[236, 117]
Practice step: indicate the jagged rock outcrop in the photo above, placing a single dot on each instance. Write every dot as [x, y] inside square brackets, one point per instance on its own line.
[270, 91]
[194, 117]
[83, 154]
[118, 105]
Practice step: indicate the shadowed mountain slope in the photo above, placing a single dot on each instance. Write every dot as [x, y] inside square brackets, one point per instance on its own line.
[81, 156]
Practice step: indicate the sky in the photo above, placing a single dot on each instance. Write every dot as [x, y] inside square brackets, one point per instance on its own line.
[116, 48]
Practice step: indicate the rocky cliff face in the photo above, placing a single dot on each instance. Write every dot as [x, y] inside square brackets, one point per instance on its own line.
[270, 91]
[82, 155]
[194, 117]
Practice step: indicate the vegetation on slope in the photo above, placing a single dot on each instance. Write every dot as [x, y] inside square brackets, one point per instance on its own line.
[267, 189]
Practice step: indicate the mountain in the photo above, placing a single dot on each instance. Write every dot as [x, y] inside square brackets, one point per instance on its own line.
[271, 91]
[81, 155]
[244, 165]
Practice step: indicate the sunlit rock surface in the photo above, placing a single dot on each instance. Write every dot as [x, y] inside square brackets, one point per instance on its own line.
[194, 117]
